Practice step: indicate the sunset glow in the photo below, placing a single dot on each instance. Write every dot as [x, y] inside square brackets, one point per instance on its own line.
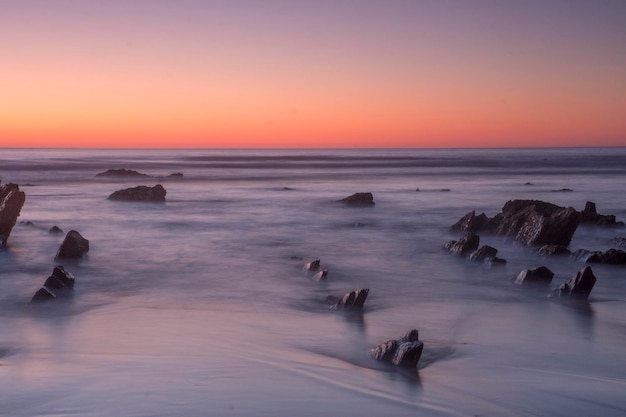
[296, 74]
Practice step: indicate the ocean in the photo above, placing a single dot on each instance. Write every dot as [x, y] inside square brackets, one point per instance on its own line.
[200, 306]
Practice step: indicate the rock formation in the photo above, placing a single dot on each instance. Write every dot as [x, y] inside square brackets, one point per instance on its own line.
[321, 275]
[313, 265]
[359, 199]
[73, 246]
[530, 222]
[59, 284]
[611, 256]
[554, 250]
[467, 243]
[121, 172]
[579, 286]
[536, 276]
[483, 253]
[11, 202]
[140, 193]
[353, 300]
[405, 351]
[55, 230]
[590, 216]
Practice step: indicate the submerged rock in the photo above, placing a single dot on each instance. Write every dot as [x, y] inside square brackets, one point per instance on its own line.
[321, 275]
[611, 256]
[536, 276]
[352, 300]
[121, 172]
[359, 199]
[466, 244]
[405, 351]
[73, 246]
[579, 286]
[59, 284]
[140, 193]
[590, 216]
[55, 230]
[620, 242]
[11, 202]
[313, 265]
[485, 252]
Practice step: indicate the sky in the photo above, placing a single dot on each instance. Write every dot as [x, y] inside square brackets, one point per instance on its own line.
[312, 74]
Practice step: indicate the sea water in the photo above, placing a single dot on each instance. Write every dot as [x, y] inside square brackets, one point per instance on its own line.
[200, 306]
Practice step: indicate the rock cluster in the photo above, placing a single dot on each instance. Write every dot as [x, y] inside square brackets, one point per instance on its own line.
[11, 202]
[590, 216]
[468, 245]
[140, 193]
[611, 256]
[404, 351]
[121, 172]
[59, 284]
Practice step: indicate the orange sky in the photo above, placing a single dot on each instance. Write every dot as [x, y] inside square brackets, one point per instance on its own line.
[293, 74]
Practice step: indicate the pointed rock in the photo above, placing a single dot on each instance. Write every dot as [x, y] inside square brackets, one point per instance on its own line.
[11, 202]
[73, 246]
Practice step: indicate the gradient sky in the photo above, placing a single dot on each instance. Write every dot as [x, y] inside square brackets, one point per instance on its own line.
[340, 73]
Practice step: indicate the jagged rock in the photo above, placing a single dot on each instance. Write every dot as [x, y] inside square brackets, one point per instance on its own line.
[590, 216]
[359, 199]
[483, 253]
[11, 202]
[579, 286]
[55, 230]
[472, 223]
[122, 172]
[352, 300]
[536, 276]
[554, 250]
[140, 193]
[59, 284]
[73, 246]
[321, 275]
[466, 244]
[313, 265]
[405, 351]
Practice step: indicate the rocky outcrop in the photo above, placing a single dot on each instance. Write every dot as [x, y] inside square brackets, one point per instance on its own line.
[405, 351]
[465, 245]
[354, 300]
[611, 256]
[530, 222]
[620, 242]
[579, 286]
[140, 193]
[553, 250]
[536, 276]
[122, 172]
[313, 265]
[591, 217]
[11, 202]
[359, 199]
[59, 284]
[54, 230]
[74, 246]
[321, 275]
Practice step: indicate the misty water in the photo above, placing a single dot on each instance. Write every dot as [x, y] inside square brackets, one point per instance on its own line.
[199, 306]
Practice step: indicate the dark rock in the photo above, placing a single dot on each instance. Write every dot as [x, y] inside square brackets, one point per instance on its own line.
[472, 223]
[534, 222]
[535, 276]
[55, 230]
[122, 172]
[445, 190]
[73, 246]
[590, 216]
[466, 244]
[42, 295]
[554, 250]
[405, 351]
[313, 265]
[579, 286]
[352, 300]
[321, 275]
[359, 199]
[529, 183]
[530, 222]
[175, 175]
[563, 190]
[611, 256]
[11, 202]
[581, 255]
[27, 223]
[140, 193]
[483, 253]
[59, 284]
